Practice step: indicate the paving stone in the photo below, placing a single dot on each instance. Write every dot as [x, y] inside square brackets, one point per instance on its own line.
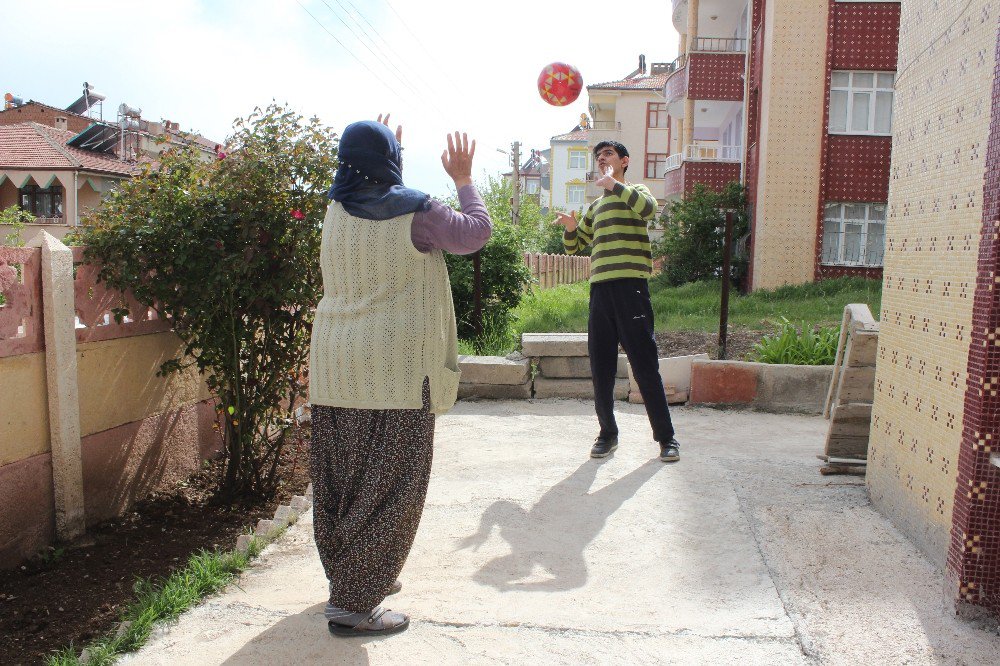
[494, 391]
[494, 370]
[574, 367]
[554, 344]
[574, 388]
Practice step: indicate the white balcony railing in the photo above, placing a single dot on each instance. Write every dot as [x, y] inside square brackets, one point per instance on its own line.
[701, 152]
[606, 125]
[720, 45]
[675, 161]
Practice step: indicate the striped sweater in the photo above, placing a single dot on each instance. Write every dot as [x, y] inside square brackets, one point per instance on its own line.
[615, 225]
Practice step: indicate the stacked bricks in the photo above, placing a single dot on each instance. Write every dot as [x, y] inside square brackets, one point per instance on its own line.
[564, 366]
[494, 377]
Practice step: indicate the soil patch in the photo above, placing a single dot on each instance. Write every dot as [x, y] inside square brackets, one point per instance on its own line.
[76, 594]
[739, 343]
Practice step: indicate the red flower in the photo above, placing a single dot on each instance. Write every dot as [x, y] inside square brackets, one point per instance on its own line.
[297, 214]
[221, 155]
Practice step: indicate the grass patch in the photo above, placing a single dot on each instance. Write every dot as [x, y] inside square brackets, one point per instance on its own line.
[206, 572]
[695, 306]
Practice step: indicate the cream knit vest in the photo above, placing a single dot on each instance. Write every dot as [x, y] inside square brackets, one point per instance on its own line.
[386, 319]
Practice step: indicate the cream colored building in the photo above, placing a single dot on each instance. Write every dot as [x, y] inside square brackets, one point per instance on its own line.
[933, 454]
[632, 111]
[570, 162]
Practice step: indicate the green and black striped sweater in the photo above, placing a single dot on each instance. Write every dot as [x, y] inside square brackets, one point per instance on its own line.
[615, 225]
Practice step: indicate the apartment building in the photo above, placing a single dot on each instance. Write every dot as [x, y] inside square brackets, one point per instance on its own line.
[632, 111]
[569, 164]
[794, 98]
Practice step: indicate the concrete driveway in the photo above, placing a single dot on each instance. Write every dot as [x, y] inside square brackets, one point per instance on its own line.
[531, 552]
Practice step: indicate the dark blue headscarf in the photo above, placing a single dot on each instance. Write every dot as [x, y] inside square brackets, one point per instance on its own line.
[369, 182]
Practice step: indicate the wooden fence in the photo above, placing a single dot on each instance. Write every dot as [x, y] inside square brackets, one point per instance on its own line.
[550, 270]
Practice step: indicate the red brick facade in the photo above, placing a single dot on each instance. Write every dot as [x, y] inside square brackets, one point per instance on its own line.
[974, 555]
[44, 115]
[861, 36]
[713, 175]
[716, 76]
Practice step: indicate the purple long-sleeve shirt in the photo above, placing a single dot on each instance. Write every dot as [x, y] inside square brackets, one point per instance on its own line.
[443, 228]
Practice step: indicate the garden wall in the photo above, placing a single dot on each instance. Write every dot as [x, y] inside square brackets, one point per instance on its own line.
[86, 426]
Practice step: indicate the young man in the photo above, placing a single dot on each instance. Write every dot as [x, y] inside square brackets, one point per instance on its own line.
[620, 309]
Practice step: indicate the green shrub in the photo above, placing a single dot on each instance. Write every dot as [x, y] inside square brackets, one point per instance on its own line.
[792, 346]
[504, 273]
[694, 233]
[229, 250]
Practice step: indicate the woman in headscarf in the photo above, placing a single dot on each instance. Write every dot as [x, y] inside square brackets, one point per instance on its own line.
[383, 363]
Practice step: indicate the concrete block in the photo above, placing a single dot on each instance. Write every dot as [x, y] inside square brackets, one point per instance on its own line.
[723, 382]
[793, 388]
[675, 372]
[494, 370]
[554, 344]
[284, 516]
[309, 492]
[494, 391]
[857, 385]
[264, 528]
[243, 542]
[574, 388]
[300, 503]
[862, 348]
[574, 367]
[674, 397]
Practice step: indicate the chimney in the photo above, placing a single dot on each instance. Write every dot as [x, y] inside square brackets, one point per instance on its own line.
[642, 64]
[61, 123]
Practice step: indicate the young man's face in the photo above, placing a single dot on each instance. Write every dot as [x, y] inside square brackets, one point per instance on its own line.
[608, 157]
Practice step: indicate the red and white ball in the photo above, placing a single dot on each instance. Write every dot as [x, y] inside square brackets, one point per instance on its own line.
[560, 84]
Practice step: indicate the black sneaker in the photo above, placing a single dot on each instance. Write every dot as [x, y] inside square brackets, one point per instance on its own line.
[670, 451]
[603, 447]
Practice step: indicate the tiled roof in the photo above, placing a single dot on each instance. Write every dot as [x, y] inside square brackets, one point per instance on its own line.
[35, 146]
[641, 82]
[576, 135]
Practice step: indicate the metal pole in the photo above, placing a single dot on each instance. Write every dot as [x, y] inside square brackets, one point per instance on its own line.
[477, 288]
[515, 204]
[727, 250]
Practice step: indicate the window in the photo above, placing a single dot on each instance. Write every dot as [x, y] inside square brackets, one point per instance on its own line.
[42, 202]
[531, 187]
[577, 159]
[854, 234]
[656, 115]
[574, 194]
[656, 165]
[861, 102]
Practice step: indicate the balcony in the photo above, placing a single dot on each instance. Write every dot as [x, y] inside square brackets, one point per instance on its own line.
[720, 45]
[604, 130]
[708, 163]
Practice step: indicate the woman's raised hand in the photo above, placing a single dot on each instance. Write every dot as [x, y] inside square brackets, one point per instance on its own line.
[457, 159]
[399, 128]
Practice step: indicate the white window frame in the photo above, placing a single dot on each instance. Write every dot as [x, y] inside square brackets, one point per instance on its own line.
[570, 189]
[862, 260]
[852, 92]
[531, 186]
[578, 152]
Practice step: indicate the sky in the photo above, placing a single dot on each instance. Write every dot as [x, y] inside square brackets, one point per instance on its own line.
[436, 65]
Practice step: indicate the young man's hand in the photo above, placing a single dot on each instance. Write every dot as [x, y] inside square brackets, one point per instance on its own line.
[568, 221]
[607, 181]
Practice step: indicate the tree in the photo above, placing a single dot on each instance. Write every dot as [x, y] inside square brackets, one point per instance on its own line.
[229, 250]
[694, 231]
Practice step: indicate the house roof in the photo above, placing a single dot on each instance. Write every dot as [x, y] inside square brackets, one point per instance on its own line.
[578, 134]
[35, 146]
[635, 82]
